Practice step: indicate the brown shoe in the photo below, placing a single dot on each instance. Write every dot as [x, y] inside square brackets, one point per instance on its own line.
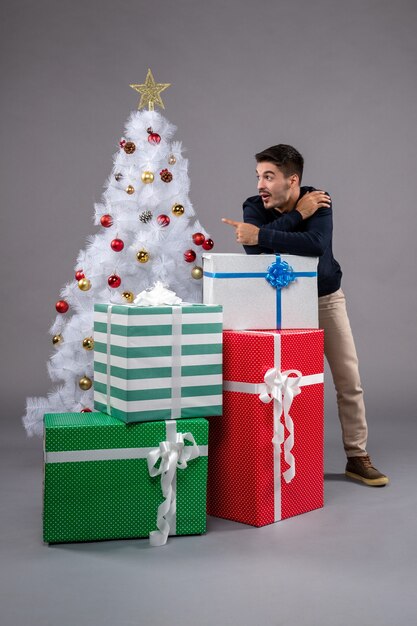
[361, 468]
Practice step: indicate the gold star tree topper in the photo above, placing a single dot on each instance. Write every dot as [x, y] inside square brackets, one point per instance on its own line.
[150, 92]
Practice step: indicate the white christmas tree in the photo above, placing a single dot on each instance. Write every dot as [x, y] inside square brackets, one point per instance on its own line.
[148, 232]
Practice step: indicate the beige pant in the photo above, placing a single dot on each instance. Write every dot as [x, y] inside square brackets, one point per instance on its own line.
[340, 351]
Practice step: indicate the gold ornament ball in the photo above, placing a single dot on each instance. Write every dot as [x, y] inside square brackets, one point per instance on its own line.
[130, 190]
[147, 177]
[172, 160]
[197, 272]
[178, 209]
[128, 296]
[88, 343]
[85, 383]
[142, 256]
[56, 339]
[84, 284]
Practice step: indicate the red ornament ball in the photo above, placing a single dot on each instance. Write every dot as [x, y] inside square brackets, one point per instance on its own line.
[106, 220]
[114, 281]
[86, 410]
[198, 239]
[208, 244]
[79, 275]
[117, 245]
[153, 138]
[189, 256]
[163, 220]
[62, 306]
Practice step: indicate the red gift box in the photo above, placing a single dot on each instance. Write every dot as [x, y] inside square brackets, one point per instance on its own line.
[266, 452]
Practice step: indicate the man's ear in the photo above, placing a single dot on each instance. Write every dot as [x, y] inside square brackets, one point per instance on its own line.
[294, 180]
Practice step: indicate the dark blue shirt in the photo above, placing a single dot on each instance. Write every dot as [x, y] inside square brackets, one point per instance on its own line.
[289, 233]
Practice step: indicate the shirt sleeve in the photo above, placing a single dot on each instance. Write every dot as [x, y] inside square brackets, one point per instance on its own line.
[311, 241]
[286, 222]
[252, 215]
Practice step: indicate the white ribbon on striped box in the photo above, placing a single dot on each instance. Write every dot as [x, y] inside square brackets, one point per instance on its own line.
[281, 388]
[175, 403]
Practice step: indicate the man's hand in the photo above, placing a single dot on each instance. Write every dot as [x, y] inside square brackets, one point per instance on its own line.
[312, 201]
[247, 234]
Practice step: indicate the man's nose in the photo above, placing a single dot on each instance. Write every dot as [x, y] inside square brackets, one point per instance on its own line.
[260, 184]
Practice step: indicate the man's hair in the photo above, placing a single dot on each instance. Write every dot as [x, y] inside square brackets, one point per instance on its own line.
[286, 158]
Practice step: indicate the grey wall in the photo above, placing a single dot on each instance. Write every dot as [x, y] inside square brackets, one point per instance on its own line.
[336, 79]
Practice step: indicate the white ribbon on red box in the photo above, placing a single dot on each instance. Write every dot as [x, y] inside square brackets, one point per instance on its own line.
[281, 388]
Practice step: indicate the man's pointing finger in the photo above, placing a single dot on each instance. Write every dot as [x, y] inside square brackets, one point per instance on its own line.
[231, 222]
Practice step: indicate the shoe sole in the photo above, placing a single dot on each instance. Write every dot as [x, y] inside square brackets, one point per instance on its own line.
[371, 482]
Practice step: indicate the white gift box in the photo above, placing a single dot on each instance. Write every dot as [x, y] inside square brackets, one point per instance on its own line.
[262, 291]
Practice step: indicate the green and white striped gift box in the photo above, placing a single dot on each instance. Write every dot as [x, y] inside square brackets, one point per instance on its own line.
[158, 362]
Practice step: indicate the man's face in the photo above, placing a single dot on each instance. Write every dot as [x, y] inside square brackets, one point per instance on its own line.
[273, 187]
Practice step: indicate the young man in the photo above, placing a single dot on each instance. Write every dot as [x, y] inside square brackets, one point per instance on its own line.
[285, 217]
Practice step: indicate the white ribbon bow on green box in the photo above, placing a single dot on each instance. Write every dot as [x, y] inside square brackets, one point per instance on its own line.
[173, 454]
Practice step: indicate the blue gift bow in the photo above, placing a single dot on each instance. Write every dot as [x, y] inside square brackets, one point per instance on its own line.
[287, 275]
[280, 274]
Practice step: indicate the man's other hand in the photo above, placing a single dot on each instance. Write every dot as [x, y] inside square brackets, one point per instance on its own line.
[246, 234]
[311, 202]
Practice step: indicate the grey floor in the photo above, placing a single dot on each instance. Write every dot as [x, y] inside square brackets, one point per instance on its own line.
[352, 563]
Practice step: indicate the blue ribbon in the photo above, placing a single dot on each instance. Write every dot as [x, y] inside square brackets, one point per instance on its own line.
[279, 274]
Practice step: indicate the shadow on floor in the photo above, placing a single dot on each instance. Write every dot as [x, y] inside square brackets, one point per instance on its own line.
[335, 477]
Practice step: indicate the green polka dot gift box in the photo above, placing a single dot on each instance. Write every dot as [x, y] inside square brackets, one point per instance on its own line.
[158, 362]
[104, 479]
